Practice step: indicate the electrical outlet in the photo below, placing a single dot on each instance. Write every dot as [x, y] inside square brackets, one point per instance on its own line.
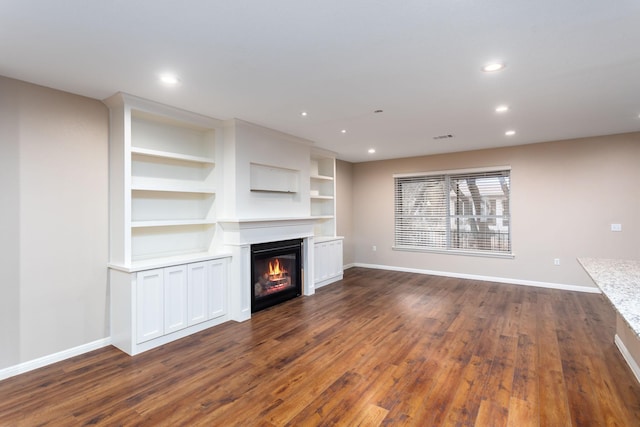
[374, 248]
[556, 261]
[616, 227]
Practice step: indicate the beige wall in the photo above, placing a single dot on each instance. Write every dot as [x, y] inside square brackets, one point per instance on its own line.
[565, 195]
[344, 209]
[9, 226]
[54, 162]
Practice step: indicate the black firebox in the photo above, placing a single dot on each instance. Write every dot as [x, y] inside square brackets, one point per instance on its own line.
[276, 273]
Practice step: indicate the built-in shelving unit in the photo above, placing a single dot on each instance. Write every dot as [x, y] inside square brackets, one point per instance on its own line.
[163, 181]
[166, 279]
[169, 255]
[322, 192]
[328, 246]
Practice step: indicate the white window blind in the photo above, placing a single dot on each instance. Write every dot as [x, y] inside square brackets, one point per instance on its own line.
[463, 211]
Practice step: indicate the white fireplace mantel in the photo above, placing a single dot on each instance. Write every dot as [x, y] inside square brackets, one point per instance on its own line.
[240, 234]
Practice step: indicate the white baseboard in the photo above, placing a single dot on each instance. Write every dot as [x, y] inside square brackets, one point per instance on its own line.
[559, 286]
[628, 357]
[348, 266]
[40, 362]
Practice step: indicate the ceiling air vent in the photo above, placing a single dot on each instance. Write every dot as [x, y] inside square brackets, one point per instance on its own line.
[447, 136]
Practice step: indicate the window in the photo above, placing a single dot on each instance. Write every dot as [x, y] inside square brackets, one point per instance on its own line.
[456, 211]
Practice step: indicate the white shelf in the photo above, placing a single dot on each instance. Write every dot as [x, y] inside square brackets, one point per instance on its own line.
[274, 179]
[172, 155]
[160, 208]
[165, 240]
[322, 206]
[151, 184]
[322, 177]
[170, 223]
[171, 174]
[322, 169]
[169, 261]
[163, 180]
[323, 239]
[163, 136]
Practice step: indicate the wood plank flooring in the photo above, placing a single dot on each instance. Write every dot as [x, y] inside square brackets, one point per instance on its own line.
[379, 348]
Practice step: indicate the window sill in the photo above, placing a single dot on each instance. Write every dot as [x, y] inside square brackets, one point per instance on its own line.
[456, 252]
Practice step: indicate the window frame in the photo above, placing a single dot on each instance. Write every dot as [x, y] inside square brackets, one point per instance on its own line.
[447, 249]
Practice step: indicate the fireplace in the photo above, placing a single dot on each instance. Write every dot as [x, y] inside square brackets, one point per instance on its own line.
[276, 273]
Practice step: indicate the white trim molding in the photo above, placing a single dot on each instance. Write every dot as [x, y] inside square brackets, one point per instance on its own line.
[40, 362]
[627, 357]
[560, 286]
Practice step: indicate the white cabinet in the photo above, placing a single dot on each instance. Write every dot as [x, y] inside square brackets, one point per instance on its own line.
[150, 304]
[198, 285]
[217, 288]
[153, 307]
[327, 265]
[175, 298]
[207, 290]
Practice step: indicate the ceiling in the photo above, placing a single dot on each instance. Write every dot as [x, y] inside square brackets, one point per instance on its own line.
[572, 66]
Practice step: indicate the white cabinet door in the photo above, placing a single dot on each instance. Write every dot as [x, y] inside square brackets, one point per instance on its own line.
[175, 298]
[167, 301]
[327, 262]
[335, 258]
[149, 304]
[318, 254]
[321, 262]
[197, 278]
[217, 272]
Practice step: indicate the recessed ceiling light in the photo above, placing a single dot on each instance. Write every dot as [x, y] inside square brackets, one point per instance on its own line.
[371, 150]
[303, 114]
[343, 131]
[502, 108]
[510, 132]
[169, 79]
[493, 66]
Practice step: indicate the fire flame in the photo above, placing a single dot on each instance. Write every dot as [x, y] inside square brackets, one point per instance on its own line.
[275, 270]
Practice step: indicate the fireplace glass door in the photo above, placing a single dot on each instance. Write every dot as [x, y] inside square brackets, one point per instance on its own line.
[276, 272]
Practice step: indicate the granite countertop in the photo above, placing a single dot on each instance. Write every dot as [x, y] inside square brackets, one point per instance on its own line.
[619, 281]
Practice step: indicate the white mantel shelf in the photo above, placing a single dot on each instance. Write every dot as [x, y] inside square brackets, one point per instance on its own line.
[264, 222]
[259, 230]
[154, 263]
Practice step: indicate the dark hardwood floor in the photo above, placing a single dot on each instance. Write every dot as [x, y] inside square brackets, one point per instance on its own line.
[378, 348]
